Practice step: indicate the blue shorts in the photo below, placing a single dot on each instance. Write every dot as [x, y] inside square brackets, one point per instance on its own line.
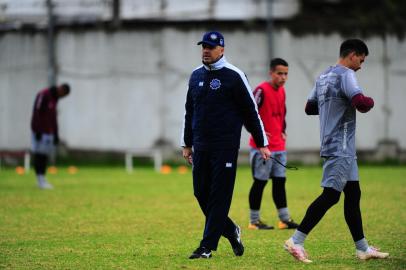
[338, 170]
[44, 146]
[265, 169]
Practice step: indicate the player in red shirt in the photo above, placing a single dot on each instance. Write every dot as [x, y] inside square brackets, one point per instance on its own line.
[270, 98]
[44, 127]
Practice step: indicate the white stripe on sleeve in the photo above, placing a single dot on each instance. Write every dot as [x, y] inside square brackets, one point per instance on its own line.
[248, 88]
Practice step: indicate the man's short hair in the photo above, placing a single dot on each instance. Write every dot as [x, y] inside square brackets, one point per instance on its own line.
[353, 45]
[276, 62]
[66, 87]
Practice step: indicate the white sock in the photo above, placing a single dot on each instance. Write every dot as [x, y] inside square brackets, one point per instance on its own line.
[41, 179]
[254, 216]
[362, 245]
[283, 214]
[298, 238]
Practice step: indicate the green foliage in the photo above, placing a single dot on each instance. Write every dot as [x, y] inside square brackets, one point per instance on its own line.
[103, 218]
[349, 18]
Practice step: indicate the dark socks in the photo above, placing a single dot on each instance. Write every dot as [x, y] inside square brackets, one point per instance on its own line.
[325, 201]
[352, 212]
[318, 208]
[279, 192]
[40, 163]
[255, 195]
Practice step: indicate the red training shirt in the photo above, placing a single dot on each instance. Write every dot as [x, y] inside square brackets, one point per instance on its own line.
[272, 109]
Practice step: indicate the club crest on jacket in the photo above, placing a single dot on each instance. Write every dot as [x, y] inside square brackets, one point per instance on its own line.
[215, 84]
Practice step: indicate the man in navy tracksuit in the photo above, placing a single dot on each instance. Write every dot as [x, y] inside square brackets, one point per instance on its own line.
[219, 102]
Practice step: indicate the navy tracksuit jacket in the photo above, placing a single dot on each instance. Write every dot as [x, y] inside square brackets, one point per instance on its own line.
[219, 102]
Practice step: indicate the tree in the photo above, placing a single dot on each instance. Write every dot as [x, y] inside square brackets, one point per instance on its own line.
[349, 17]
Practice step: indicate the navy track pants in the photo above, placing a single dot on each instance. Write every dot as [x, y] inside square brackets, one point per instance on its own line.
[213, 184]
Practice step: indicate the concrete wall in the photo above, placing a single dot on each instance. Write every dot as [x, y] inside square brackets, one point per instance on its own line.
[23, 70]
[129, 87]
[35, 11]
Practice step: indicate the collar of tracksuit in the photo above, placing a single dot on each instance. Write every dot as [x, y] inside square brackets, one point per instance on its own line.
[219, 64]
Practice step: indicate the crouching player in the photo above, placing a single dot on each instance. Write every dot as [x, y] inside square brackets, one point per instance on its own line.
[44, 127]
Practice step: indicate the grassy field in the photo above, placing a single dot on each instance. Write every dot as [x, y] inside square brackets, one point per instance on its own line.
[103, 218]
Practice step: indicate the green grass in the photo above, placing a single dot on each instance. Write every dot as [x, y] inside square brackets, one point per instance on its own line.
[103, 218]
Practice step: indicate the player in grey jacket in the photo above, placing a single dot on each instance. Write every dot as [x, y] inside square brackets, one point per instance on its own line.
[335, 98]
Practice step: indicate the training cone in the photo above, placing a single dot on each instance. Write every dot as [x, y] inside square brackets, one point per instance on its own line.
[166, 169]
[52, 170]
[72, 170]
[182, 169]
[20, 170]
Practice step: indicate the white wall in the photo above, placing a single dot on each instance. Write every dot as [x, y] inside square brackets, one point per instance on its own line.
[35, 11]
[23, 71]
[129, 87]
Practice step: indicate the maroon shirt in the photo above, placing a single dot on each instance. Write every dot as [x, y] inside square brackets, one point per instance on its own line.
[44, 113]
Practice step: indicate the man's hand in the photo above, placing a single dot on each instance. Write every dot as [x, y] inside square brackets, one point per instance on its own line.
[188, 154]
[265, 153]
[56, 139]
[38, 136]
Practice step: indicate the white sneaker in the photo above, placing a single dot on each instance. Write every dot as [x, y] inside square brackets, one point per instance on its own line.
[45, 185]
[371, 253]
[297, 251]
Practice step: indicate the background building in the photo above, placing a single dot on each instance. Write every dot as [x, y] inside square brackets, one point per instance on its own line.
[128, 63]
